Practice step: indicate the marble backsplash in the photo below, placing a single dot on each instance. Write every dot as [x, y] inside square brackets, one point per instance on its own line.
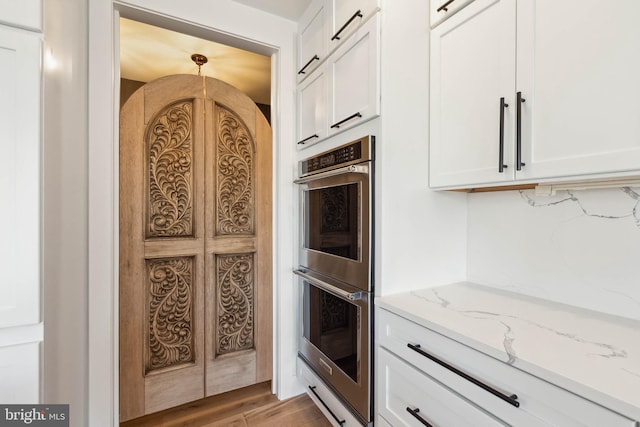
[576, 247]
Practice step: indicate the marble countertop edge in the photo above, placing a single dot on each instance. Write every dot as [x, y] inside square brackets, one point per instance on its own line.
[404, 305]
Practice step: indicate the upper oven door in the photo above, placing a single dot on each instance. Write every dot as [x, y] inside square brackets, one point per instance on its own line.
[336, 224]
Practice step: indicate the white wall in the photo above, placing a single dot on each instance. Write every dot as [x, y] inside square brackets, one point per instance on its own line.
[420, 233]
[225, 21]
[580, 248]
[65, 206]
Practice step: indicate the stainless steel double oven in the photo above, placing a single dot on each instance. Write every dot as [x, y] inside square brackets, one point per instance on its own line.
[336, 193]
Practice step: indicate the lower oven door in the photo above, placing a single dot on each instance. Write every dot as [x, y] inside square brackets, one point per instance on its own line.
[335, 337]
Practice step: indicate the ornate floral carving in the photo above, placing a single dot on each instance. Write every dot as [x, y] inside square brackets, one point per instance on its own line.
[235, 298]
[170, 312]
[235, 151]
[170, 154]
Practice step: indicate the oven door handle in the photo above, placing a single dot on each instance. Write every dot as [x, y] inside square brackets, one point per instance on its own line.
[340, 171]
[341, 293]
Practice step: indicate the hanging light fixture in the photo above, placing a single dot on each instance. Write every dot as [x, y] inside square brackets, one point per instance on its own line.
[199, 59]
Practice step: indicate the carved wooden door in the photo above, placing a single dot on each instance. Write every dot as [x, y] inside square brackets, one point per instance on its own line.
[195, 244]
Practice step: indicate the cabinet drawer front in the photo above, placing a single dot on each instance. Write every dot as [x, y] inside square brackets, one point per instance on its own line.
[403, 388]
[322, 395]
[540, 403]
[443, 9]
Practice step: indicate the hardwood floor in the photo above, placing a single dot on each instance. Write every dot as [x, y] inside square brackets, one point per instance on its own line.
[247, 407]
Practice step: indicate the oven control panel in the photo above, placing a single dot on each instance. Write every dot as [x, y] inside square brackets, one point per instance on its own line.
[353, 152]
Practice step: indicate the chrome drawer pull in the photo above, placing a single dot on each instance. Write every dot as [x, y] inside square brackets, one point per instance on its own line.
[313, 390]
[414, 412]
[510, 399]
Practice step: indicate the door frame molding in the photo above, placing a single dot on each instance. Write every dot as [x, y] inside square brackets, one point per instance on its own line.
[230, 25]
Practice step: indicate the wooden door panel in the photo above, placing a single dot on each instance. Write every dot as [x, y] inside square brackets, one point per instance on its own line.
[195, 256]
[174, 332]
[262, 258]
[237, 227]
[161, 247]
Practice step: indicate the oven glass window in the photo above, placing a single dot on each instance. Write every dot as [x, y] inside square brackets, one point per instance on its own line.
[331, 225]
[331, 324]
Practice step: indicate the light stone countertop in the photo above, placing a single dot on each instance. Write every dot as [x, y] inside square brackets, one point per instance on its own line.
[594, 355]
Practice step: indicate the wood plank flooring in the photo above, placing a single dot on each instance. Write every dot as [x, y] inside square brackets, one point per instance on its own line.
[248, 407]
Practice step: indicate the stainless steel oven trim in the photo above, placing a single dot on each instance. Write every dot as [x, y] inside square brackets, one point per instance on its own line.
[356, 272]
[356, 394]
[339, 171]
[335, 289]
[367, 154]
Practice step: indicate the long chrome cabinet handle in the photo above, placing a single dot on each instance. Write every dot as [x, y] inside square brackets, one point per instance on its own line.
[336, 36]
[414, 412]
[340, 171]
[313, 390]
[315, 58]
[501, 165]
[511, 399]
[444, 6]
[353, 116]
[519, 101]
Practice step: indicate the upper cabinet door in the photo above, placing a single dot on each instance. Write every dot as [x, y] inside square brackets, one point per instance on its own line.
[20, 85]
[313, 39]
[443, 9]
[347, 16]
[472, 69]
[354, 70]
[23, 14]
[312, 105]
[579, 72]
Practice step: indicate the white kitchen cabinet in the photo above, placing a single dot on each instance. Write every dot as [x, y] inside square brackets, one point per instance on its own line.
[575, 69]
[472, 67]
[408, 397]
[354, 78]
[578, 68]
[346, 16]
[21, 329]
[324, 26]
[20, 176]
[27, 14]
[313, 39]
[444, 9]
[312, 107]
[343, 91]
[510, 395]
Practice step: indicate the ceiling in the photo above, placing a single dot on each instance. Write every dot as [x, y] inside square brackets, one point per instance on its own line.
[148, 52]
[289, 9]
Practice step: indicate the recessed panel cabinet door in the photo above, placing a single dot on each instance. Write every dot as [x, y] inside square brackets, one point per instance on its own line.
[472, 68]
[20, 177]
[312, 106]
[578, 70]
[354, 78]
[312, 39]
